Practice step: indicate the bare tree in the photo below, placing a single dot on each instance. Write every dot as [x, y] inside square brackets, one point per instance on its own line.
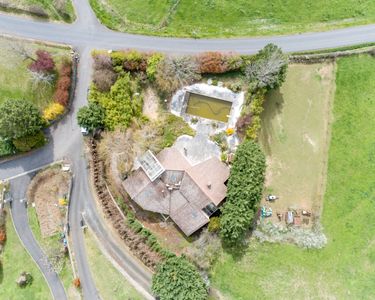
[269, 68]
[20, 48]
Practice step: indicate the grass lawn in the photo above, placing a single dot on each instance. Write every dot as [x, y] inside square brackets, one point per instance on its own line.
[15, 79]
[66, 273]
[63, 13]
[15, 260]
[109, 282]
[345, 268]
[212, 18]
[294, 137]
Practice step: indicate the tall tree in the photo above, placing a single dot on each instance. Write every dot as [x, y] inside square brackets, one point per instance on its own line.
[177, 278]
[91, 117]
[245, 187]
[19, 118]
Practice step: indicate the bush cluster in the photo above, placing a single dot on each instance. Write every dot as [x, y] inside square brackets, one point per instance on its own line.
[131, 61]
[245, 187]
[121, 104]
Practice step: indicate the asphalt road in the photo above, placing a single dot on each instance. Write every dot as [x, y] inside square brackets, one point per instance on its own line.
[88, 32]
[65, 138]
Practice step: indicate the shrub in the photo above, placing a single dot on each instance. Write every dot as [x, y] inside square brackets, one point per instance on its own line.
[53, 111]
[61, 97]
[6, 147]
[172, 73]
[177, 278]
[172, 128]
[19, 118]
[214, 224]
[77, 282]
[102, 62]
[44, 62]
[91, 117]
[104, 79]
[104, 75]
[243, 123]
[235, 87]
[152, 65]
[268, 69]
[64, 81]
[204, 251]
[213, 63]
[66, 69]
[3, 236]
[27, 143]
[245, 187]
[218, 63]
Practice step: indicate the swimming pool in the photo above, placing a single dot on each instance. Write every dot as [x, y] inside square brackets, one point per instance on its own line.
[208, 107]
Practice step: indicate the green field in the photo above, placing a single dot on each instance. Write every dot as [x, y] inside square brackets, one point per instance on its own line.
[345, 268]
[110, 283]
[61, 10]
[294, 136]
[224, 18]
[15, 260]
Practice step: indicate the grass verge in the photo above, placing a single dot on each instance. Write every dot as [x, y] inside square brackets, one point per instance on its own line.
[14, 260]
[53, 242]
[345, 268]
[61, 10]
[110, 283]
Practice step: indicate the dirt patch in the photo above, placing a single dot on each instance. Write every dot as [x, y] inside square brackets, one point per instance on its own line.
[295, 138]
[151, 104]
[45, 191]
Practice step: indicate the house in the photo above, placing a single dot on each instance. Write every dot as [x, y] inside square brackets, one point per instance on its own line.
[168, 184]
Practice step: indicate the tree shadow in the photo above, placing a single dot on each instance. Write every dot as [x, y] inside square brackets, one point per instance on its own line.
[273, 107]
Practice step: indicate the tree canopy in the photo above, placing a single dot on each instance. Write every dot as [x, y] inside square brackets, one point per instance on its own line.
[177, 278]
[91, 117]
[268, 69]
[245, 187]
[19, 118]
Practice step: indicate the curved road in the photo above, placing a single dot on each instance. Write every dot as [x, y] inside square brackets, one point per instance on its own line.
[65, 138]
